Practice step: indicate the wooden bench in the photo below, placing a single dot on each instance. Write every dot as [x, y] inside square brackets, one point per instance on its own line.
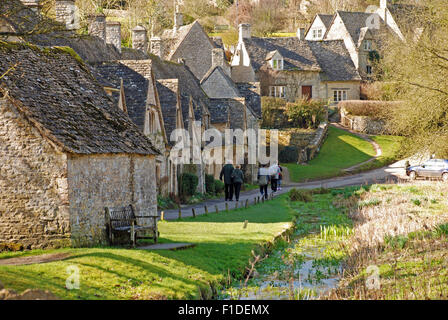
[123, 220]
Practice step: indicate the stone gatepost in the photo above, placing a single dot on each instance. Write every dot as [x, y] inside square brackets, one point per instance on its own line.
[113, 34]
[97, 26]
[140, 39]
[67, 14]
[157, 47]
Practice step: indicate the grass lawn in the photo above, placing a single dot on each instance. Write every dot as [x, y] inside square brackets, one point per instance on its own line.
[341, 150]
[223, 249]
[390, 146]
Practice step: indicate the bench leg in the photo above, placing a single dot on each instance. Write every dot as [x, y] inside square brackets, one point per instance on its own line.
[133, 235]
[156, 233]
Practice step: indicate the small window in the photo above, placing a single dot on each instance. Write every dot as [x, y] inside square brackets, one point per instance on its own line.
[369, 69]
[339, 95]
[277, 91]
[317, 33]
[368, 45]
[277, 64]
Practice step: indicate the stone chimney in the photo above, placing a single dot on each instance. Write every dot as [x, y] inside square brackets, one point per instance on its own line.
[178, 21]
[157, 47]
[67, 13]
[244, 31]
[33, 5]
[140, 39]
[113, 34]
[219, 60]
[301, 33]
[97, 26]
[217, 57]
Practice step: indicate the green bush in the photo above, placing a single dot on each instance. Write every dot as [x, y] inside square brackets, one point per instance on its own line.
[306, 114]
[300, 195]
[219, 187]
[289, 154]
[210, 184]
[188, 184]
[369, 108]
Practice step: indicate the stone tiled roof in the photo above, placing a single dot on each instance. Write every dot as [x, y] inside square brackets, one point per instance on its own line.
[334, 60]
[172, 40]
[39, 30]
[327, 19]
[60, 97]
[218, 110]
[297, 53]
[356, 22]
[135, 85]
[251, 93]
[188, 86]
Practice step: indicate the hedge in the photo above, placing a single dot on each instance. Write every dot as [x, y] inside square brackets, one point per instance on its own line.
[188, 184]
[368, 108]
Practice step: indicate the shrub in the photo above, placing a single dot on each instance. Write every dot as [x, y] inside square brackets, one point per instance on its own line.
[273, 110]
[288, 154]
[7, 246]
[306, 113]
[373, 109]
[300, 195]
[209, 183]
[188, 184]
[219, 187]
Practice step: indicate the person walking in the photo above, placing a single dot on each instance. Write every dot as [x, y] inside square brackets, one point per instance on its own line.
[280, 178]
[226, 173]
[274, 171]
[238, 180]
[263, 180]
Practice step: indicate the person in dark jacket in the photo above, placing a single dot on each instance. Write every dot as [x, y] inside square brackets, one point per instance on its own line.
[238, 180]
[226, 173]
[263, 180]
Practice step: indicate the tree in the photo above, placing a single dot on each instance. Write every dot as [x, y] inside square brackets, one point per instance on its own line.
[419, 68]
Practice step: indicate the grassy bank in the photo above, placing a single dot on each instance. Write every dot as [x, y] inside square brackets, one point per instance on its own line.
[223, 250]
[342, 150]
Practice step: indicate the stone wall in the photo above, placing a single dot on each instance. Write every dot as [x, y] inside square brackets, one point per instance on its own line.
[363, 124]
[34, 207]
[107, 180]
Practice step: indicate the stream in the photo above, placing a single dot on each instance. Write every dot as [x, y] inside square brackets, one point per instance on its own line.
[306, 268]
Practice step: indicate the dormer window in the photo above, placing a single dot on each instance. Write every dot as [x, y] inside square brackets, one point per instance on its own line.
[317, 33]
[277, 64]
[368, 45]
[275, 60]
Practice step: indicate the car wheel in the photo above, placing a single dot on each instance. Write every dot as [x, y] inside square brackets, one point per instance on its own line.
[412, 175]
[445, 177]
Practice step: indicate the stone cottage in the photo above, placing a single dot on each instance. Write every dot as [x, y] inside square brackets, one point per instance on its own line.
[133, 86]
[292, 68]
[66, 151]
[187, 42]
[319, 27]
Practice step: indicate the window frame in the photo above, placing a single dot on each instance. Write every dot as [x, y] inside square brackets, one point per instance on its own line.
[340, 95]
[277, 91]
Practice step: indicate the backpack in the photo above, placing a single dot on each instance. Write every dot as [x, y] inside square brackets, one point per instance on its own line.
[263, 180]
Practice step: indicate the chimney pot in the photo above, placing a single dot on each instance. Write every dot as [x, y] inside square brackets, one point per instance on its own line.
[178, 21]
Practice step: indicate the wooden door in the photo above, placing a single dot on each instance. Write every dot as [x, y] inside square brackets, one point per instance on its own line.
[307, 92]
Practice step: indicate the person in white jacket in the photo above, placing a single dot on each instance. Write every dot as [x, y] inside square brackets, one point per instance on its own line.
[274, 171]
